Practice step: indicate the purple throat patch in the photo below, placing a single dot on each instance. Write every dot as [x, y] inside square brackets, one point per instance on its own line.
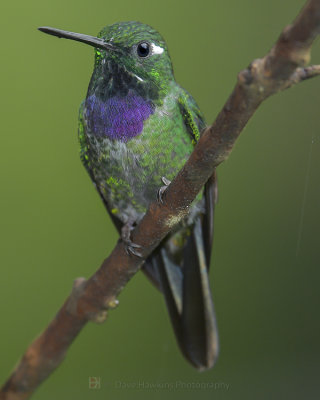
[119, 118]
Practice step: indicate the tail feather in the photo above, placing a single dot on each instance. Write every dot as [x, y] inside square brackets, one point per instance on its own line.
[186, 287]
[200, 337]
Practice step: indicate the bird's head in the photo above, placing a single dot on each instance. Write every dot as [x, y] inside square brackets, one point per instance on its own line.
[126, 54]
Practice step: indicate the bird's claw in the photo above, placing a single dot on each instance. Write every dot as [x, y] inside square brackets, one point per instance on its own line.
[130, 247]
[163, 189]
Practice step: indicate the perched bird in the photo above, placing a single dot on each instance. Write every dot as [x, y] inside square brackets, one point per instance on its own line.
[137, 128]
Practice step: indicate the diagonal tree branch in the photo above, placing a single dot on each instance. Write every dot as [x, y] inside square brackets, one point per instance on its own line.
[281, 68]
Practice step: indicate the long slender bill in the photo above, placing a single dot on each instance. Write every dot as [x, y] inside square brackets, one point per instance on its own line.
[79, 37]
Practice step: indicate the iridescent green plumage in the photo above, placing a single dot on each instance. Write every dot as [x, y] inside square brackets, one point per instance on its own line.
[136, 126]
[129, 174]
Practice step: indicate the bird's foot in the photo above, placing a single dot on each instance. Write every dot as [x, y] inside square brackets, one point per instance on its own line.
[160, 194]
[130, 247]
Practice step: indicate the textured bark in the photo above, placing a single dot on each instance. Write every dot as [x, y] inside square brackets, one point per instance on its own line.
[282, 67]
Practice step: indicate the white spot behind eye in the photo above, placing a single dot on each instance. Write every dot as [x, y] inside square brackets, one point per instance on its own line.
[156, 49]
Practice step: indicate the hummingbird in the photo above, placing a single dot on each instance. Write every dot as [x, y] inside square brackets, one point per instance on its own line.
[137, 128]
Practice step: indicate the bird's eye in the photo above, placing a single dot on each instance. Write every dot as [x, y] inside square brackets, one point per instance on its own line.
[143, 49]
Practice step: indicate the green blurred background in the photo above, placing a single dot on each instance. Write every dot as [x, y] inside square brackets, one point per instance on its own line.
[54, 228]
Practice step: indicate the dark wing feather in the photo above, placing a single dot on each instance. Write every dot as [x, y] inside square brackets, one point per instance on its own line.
[186, 285]
[211, 197]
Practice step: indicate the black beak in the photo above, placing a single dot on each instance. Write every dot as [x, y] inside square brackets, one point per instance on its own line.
[79, 37]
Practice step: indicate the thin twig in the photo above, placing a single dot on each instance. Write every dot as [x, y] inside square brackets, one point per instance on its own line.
[90, 299]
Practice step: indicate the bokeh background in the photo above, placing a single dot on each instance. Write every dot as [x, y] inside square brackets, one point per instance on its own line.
[265, 271]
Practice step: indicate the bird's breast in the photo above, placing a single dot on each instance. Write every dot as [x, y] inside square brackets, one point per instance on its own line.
[117, 118]
[128, 171]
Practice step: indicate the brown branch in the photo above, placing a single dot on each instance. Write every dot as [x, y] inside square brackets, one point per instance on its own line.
[90, 299]
[301, 74]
